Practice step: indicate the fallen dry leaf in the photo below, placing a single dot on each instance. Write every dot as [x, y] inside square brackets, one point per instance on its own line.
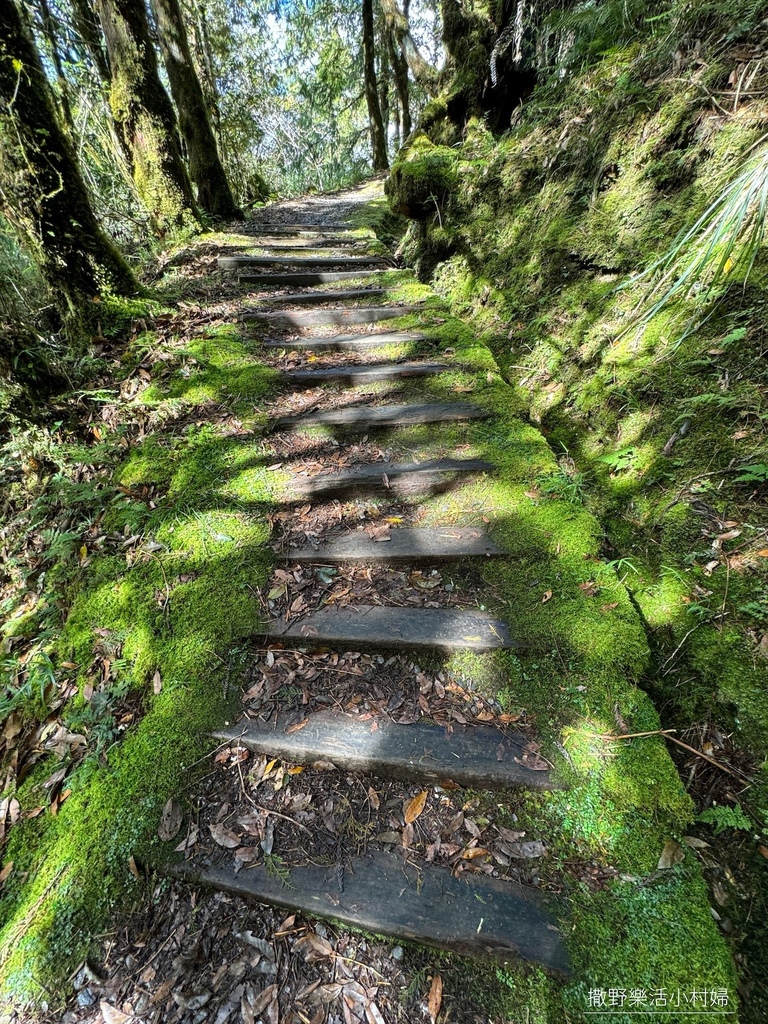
[414, 807]
[224, 837]
[672, 854]
[547, 596]
[170, 821]
[296, 726]
[435, 997]
[112, 1015]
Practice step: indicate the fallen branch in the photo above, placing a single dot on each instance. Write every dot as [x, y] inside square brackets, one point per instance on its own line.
[666, 734]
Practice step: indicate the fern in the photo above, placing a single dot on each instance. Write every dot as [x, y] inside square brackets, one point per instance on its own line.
[726, 817]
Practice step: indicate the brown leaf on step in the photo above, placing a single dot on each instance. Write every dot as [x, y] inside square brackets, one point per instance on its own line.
[407, 836]
[590, 588]
[533, 495]
[170, 821]
[263, 1000]
[111, 1015]
[189, 842]
[7, 869]
[157, 682]
[762, 553]
[313, 946]
[296, 726]
[224, 837]
[324, 766]
[474, 851]
[435, 997]
[547, 596]
[373, 796]
[385, 480]
[609, 607]
[373, 1014]
[763, 850]
[414, 807]
[378, 533]
[672, 854]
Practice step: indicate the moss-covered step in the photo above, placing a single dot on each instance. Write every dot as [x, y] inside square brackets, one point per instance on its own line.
[301, 280]
[441, 543]
[353, 342]
[386, 479]
[372, 417]
[320, 297]
[474, 914]
[238, 262]
[323, 317]
[477, 757]
[363, 374]
[426, 629]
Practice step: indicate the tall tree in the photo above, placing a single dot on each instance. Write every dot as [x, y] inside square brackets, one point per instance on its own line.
[144, 116]
[42, 192]
[205, 168]
[87, 27]
[375, 120]
[399, 25]
[400, 74]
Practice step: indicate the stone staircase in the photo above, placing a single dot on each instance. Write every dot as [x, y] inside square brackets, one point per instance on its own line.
[381, 892]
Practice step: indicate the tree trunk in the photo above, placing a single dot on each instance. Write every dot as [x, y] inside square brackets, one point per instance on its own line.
[144, 116]
[205, 168]
[87, 27]
[42, 192]
[400, 71]
[378, 138]
[400, 27]
[49, 30]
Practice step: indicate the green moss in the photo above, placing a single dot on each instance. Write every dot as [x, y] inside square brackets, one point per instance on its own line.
[422, 178]
[176, 605]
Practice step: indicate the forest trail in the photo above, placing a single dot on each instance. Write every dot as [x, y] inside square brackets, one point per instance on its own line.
[391, 825]
[361, 783]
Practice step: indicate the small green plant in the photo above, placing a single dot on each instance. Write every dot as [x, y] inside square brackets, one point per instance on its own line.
[726, 817]
[757, 473]
[277, 868]
[621, 460]
[568, 486]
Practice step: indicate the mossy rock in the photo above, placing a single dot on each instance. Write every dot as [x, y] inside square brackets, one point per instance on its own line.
[422, 179]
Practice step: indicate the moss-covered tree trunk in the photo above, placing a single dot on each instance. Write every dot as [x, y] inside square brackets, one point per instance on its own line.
[144, 116]
[398, 23]
[42, 192]
[205, 168]
[400, 74]
[375, 120]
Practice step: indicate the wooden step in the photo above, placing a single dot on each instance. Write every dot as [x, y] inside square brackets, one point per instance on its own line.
[320, 297]
[383, 895]
[238, 262]
[442, 543]
[306, 279]
[388, 479]
[477, 756]
[363, 374]
[366, 417]
[353, 342]
[322, 317]
[309, 245]
[428, 629]
[310, 227]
